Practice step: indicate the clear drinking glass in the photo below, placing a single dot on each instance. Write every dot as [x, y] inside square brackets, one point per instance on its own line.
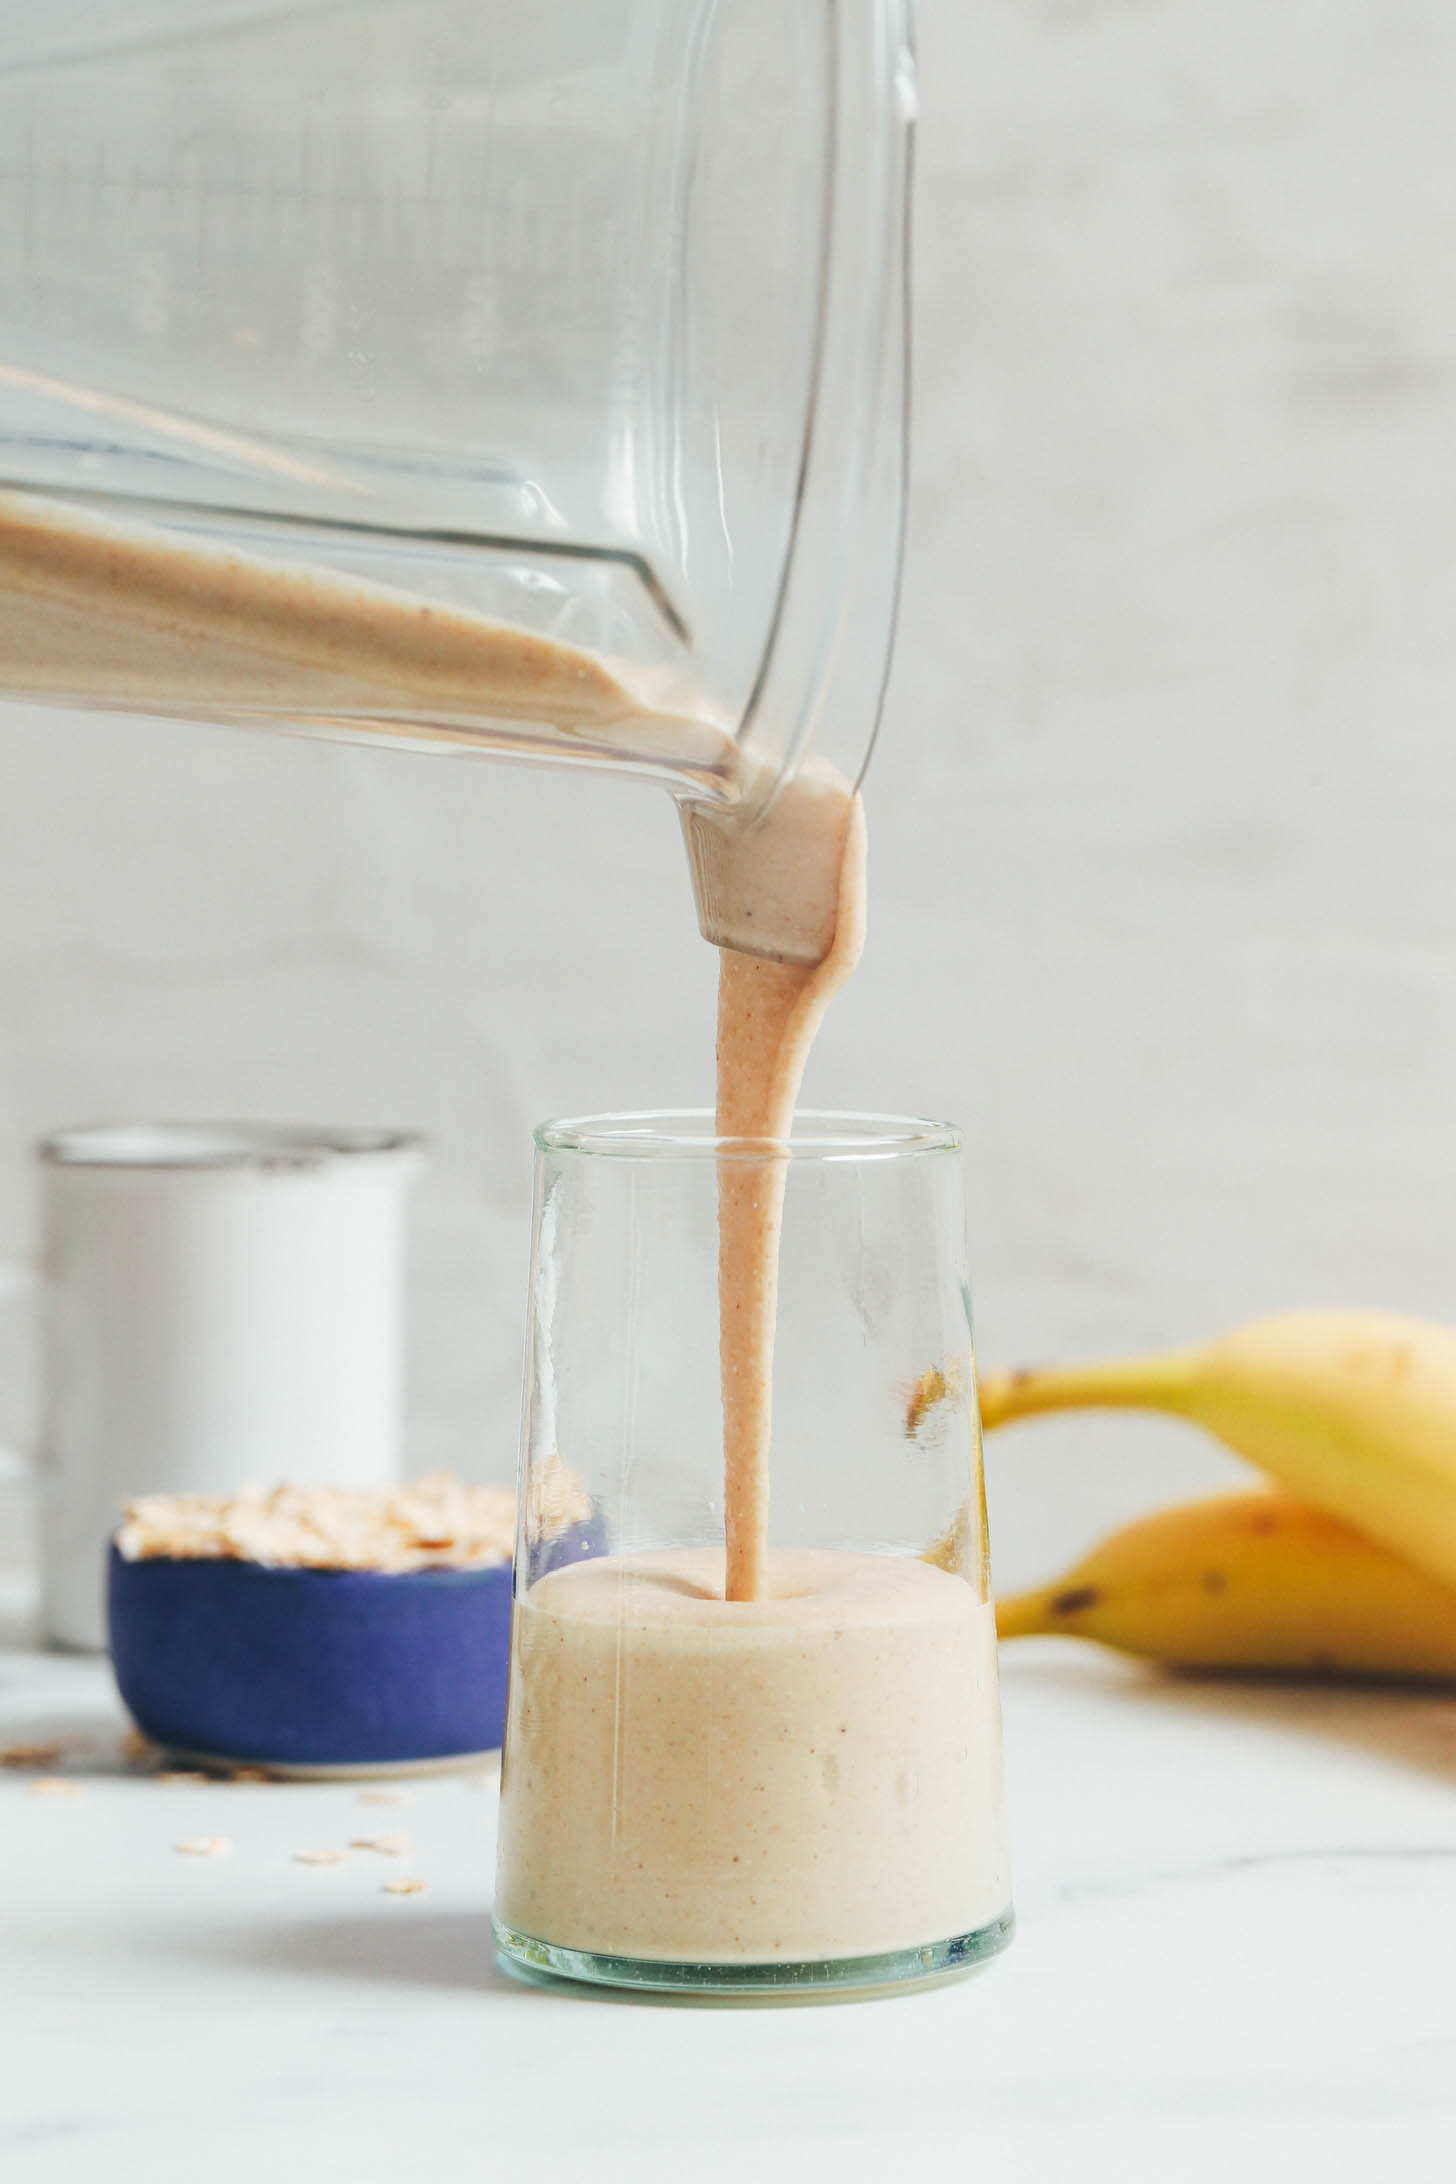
[583, 316]
[802, 1791]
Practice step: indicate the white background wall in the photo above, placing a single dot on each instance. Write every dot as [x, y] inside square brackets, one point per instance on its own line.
[1162, 817]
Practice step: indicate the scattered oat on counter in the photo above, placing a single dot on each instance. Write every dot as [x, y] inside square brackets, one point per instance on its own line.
[54, 1786]
[383, 1797]
[203, 1846]
[388, 1846]
[33, 1755]
[323, 1856]
[403, 1887]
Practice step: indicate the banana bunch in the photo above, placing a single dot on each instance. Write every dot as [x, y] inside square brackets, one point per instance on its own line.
[1351, 1573]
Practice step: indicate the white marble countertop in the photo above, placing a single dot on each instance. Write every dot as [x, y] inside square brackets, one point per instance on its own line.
[1237, 1927]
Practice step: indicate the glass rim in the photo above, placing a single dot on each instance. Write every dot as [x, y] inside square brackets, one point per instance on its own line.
[185, 1147]
[689, 1133]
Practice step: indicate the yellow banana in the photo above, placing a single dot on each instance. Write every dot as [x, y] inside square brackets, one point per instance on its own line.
[1254, 1581]
[1354, 1411]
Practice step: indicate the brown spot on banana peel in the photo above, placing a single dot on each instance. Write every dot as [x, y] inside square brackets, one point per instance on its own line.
[1075, 1601]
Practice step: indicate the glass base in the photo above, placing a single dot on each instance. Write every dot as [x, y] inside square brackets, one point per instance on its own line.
[819, 1975]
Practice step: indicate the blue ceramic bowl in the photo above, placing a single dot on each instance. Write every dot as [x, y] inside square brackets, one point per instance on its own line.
[313, 1671]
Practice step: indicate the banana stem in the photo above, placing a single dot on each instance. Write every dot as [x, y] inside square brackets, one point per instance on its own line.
[1163, 1382]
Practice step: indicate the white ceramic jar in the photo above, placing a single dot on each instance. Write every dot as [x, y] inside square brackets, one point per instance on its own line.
[222, 1305]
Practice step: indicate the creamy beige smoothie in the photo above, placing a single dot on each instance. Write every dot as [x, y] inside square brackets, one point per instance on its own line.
[813, 1774]
[749, 1756]
[134, 617]
[756, 1757]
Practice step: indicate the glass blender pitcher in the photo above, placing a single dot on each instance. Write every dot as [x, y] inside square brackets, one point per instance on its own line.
[513, 376]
